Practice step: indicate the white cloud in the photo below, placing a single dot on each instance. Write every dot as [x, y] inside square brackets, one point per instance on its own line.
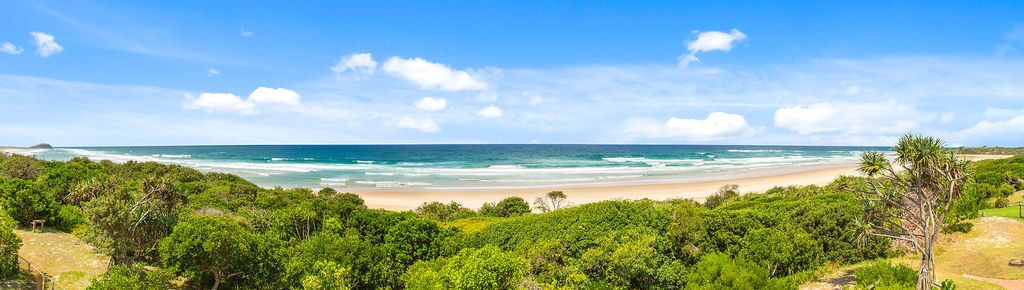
[10, 48]
[489, 112]
[214, 72]
[219, 102]
[431, 104]
[425, 125]
[1001, 113]
[227, 102]
[46, 45]
[274, 96]
[717, 126]
[246, 33]
[536, 100]
[1004, 130]
[889, 117]
[357, 62]
[710, 41]
[430, 75]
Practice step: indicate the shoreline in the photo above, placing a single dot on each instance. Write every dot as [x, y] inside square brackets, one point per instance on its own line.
[697, 189]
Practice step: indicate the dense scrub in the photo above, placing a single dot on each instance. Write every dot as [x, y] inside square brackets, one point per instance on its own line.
[168, 226]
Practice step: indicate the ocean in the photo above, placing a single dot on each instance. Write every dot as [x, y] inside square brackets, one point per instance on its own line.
[471, 167]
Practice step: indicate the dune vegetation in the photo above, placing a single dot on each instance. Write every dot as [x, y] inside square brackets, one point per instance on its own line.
[167, 226]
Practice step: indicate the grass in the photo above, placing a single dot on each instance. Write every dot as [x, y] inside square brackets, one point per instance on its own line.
[471, 226]
[1011, 211]
[62, 255]
[983, 252]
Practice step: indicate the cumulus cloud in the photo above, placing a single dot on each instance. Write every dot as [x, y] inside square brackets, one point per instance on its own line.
[227, 102]
[46, 45]
[213, 72]
[429, 75]
[708, 41]
[489, 112]
[1012, 38]
[274, 96]
[246, 33]
[357, 62]
[425, 125]
[890, 117]
[431, 104]
[219, 102]
[10, 48]
[991, 130]
[716, 126]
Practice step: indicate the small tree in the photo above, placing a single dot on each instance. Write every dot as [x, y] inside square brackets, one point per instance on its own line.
[551, 201]
[208, 249]
[9, 245]
[510, 206]
[909, 198]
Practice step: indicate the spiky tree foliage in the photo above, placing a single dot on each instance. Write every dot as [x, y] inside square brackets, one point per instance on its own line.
[910, 196]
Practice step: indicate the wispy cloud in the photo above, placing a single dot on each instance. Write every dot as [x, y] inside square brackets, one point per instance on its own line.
[134, 41]
[708, 41]
[10, 48]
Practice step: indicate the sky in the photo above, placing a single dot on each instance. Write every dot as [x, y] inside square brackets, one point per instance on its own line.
[84, 73]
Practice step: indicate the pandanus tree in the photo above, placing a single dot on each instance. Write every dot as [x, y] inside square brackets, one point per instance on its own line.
[909, 197]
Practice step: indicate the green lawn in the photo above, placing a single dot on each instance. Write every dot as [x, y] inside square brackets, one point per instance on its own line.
[62, 255]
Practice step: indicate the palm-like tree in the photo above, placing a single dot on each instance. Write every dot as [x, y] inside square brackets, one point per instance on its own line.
[910, 196]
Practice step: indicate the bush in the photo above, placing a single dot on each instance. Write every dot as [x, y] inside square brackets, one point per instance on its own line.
[484, 268]
[9, 245]
[724, 194]
[135, 278]
[443, 212]
[24, 202]
[1002, 202]
[510, 206]
[20, 167]
[719, 271]
[68, 217]
[885, 274]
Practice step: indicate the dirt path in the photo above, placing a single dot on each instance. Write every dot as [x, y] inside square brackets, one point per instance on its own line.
[73, 262]
[1008, 284]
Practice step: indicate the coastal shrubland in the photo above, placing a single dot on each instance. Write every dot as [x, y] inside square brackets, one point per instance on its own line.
[168, 226]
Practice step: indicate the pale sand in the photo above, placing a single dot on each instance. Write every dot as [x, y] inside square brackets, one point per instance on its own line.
[976, 157]
[405, 200]
[697, 190]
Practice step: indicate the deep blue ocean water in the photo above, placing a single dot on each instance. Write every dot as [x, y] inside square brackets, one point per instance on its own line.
[448, 167]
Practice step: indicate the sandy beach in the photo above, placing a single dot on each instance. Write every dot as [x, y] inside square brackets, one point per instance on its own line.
[760, 181]
[757, 181]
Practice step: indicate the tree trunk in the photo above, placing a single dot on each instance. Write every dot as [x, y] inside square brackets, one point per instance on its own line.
[216, 280]
[926, 275]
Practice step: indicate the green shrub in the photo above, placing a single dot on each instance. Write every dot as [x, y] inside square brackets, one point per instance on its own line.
[724, 194]
[134, 278]
[68, 217]
[508, 207]
[883, 274]
[484, 268]
[9, 245]
[1001, 202]
[719, 271]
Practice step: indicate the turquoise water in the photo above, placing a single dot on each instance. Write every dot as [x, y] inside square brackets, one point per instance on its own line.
[455, 167]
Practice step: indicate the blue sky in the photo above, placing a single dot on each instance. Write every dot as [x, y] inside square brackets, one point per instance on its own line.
[785, 72]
